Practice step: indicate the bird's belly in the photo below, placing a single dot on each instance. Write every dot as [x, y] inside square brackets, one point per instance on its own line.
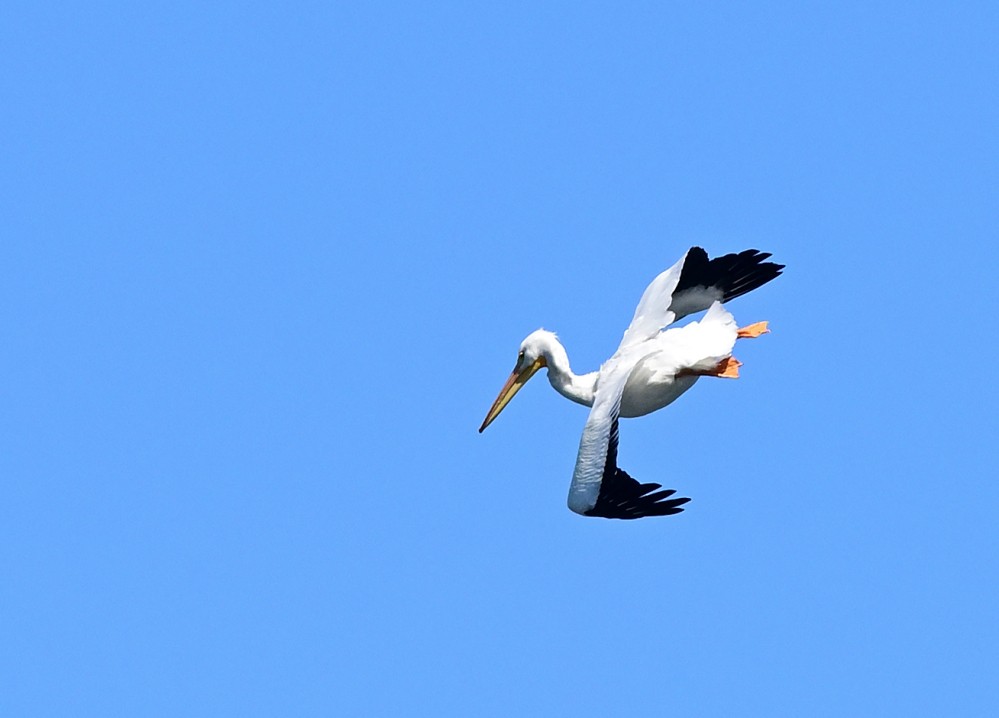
[641, 398]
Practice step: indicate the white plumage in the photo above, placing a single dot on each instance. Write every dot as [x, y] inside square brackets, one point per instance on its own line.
[650, 369]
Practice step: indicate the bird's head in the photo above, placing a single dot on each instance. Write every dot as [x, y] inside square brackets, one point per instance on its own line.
[532, 355]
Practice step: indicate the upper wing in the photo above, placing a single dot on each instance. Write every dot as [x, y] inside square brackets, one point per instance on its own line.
[599, 487]
[692, 284]
[703, 280]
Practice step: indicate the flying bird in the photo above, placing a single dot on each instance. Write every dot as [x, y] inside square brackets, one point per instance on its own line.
[651, 368]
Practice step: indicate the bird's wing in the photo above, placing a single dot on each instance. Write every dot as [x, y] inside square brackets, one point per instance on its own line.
[599, 487]
[692, 285]
[703, 281]
[653, 312]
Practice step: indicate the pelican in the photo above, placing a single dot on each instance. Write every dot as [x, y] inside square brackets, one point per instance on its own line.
[651, 368]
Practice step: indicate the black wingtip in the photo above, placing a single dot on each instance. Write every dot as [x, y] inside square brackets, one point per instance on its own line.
[622, 497]
[732, 274]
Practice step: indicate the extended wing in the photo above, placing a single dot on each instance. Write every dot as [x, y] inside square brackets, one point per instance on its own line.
[599, 487]
[692, 285]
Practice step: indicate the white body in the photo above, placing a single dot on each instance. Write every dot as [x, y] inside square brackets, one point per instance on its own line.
[652, 382]
[643, 376]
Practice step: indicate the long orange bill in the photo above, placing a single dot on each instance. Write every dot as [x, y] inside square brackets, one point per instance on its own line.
[510, 389]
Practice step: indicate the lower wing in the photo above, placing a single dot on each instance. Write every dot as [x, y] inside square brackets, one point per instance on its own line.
[599, 487]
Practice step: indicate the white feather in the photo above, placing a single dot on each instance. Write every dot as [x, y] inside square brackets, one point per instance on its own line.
[652, 313]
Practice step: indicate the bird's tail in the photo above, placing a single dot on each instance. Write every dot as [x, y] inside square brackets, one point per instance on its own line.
[710, 341]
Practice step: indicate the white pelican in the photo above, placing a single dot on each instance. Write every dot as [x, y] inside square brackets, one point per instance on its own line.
[649, 370]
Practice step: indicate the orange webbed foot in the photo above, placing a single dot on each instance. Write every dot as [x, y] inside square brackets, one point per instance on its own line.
[753, 330]
[727, 368]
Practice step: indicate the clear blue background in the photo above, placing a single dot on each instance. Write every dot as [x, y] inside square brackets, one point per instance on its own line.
[264, 267]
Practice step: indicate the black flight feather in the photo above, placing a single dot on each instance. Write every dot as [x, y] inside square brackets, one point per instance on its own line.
[732, 274]
[622, 497]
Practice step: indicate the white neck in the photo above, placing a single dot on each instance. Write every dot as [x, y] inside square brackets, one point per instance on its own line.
[579, 389]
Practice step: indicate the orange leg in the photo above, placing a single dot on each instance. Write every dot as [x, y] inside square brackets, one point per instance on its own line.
[753, 331]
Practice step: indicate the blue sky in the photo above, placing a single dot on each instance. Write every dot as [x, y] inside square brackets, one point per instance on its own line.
[265, 266]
